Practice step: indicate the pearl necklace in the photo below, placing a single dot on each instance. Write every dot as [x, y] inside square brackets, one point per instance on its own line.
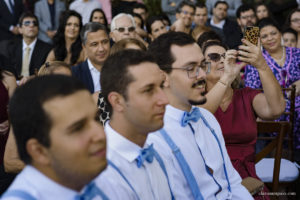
[282, 57]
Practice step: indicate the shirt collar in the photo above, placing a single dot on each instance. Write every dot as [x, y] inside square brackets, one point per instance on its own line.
[31, 46]
[124, 147]
[91, 66]
[43, 183]
[219, 25]
[175, 113]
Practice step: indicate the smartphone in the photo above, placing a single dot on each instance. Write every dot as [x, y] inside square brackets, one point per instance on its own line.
[251, 34]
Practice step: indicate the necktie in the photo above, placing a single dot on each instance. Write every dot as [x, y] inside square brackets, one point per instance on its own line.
[145, 154]
[90, 192]
[26, 61]
[194, 116]
[12, 7]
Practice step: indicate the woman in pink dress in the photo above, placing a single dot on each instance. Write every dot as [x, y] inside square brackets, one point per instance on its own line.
[238, 109]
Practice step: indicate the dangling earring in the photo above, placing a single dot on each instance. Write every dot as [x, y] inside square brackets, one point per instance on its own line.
[282, 41]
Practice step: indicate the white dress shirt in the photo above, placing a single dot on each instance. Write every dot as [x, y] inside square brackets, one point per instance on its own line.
[95, 76]
[219, 25]
[189, 145]
[85, 8]
[149, 181]
[39, 186]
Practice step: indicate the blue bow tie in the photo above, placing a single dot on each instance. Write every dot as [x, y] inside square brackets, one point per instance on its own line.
[90, 192]
[145, 154]
[194, 116]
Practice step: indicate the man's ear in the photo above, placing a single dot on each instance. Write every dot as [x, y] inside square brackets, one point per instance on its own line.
[117, 101]
[238, 21]
[167, 80]
[112, 36]
[38, 153]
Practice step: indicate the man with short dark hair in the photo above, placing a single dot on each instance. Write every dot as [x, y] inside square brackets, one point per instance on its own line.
[59, 139]
[184, 17]
[191, 140]
[95, 43]
[200, 17]
[132, 85]
[155, 27]
[142, 10]
[228, 30]
[245, 15]
[29, 53]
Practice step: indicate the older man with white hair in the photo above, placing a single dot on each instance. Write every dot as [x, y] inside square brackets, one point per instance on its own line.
[122, 26]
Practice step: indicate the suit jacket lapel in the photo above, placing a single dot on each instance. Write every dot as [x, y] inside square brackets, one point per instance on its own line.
[88, 75]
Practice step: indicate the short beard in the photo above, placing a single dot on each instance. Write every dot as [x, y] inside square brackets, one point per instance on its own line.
[200, 102]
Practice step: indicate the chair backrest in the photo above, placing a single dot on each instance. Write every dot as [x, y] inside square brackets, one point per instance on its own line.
[281, 128]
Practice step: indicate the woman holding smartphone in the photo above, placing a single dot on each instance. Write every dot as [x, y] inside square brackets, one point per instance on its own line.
[237, 109]
[284, 63]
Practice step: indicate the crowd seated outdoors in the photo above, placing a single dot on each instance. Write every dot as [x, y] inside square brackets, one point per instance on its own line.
[111, 100]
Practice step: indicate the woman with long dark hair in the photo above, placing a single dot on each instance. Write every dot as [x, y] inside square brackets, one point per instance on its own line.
[67, 42]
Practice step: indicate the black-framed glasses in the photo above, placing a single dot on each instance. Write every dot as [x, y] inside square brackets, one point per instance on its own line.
[28, 23]
[122, 29]
[215, 56]
[194, 69]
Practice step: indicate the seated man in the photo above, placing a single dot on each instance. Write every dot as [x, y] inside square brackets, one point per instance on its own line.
[155, 27]
[63, 146]
[191, 141]
[138, 105]
[122, 26]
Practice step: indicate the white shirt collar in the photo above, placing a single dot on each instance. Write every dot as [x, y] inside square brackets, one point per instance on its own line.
[174, 113]
[43, 183]
[91, 66]
[219, 25]
[127, 149]
[31, 46]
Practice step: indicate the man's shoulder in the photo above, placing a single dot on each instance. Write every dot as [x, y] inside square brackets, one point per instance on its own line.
[80, 67]
[42, 44]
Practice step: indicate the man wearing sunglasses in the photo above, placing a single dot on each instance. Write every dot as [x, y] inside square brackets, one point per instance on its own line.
[29, 54]
[122, 26]
[191, 141]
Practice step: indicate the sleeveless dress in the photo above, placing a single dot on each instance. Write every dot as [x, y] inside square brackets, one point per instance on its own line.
[286, 76]
[239, 128]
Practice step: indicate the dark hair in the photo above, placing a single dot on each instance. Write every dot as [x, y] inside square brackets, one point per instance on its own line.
[115, 75]
[27, 115]
[59, 43]
[288, 19]
[200, 5]
[165, 17]
[185, 3]
[209, 35]
[140, 17]
[221, 2]
[267, 22]
[99, 10]
[151, 20]
[263, 4]
[91, 27]
[140, 5]
[213, 43]
[160, 48]
[25, 15]
[243, 8]
[290, 30]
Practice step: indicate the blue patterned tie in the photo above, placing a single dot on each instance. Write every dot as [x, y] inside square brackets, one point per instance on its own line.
[90, 192]
[194, 116]
[145, 154]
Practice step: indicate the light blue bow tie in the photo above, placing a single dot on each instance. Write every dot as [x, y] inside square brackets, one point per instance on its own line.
[90, 192]
[145, 154]
[194, 116]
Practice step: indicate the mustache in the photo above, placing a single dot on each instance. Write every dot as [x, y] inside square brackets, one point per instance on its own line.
[200, 82]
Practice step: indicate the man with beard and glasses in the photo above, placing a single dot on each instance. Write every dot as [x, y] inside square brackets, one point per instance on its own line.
[191, 141]
[245, 16]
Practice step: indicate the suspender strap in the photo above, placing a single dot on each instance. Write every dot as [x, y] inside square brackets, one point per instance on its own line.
[214, 134]
[122, 175]
[184, 166]
[162, 165]
[18, 193]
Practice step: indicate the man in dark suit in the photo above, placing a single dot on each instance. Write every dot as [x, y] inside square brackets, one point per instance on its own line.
[10, 12]
[228, 30]
[28, 54]
[95, 42]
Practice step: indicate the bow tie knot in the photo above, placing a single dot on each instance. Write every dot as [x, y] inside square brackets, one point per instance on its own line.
[91, 191]
[145, 154]
[194, 116]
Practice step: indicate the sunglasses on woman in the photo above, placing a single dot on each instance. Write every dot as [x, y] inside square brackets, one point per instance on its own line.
[215, 56]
